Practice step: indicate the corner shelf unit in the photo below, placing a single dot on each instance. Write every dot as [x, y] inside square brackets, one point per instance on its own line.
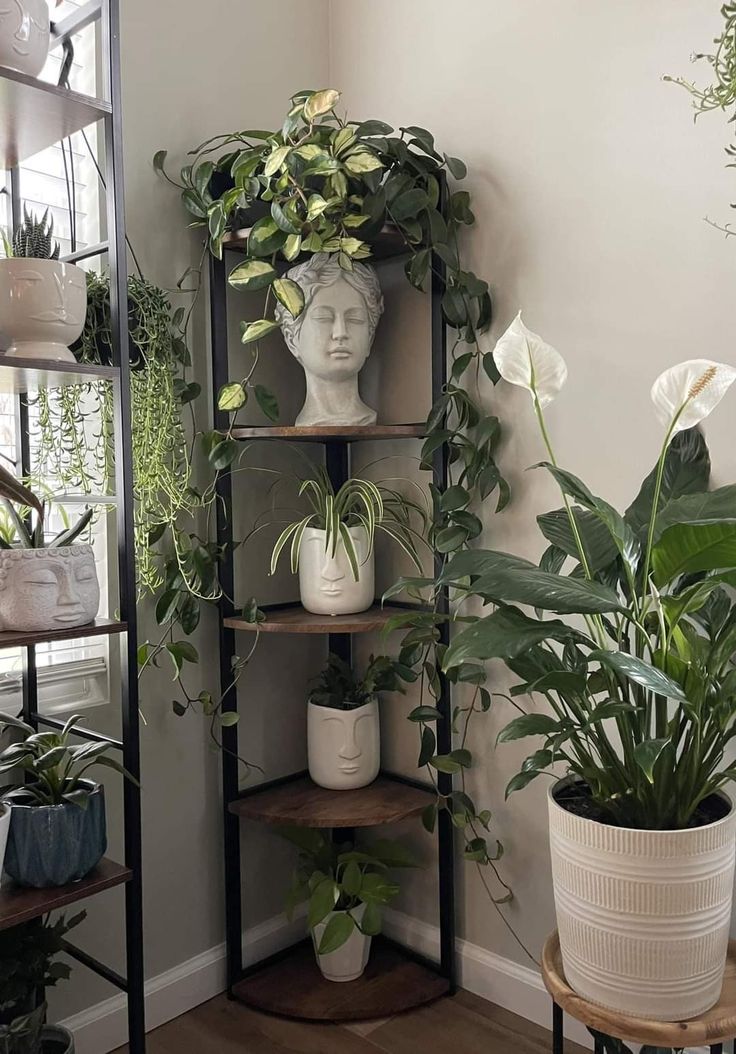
[290, 983]
[35, 115]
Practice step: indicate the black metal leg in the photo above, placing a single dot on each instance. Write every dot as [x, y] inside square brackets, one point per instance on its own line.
[716, 1048]
[558, 1039]
[598, 1047]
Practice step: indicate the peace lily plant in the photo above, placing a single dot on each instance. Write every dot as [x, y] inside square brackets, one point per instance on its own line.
[640, 684]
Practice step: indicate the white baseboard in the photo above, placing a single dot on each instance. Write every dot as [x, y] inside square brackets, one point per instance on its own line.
[103, 1027]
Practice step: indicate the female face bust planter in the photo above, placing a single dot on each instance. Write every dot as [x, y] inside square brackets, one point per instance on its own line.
[47, 589]
[332, 338]
[344, 746]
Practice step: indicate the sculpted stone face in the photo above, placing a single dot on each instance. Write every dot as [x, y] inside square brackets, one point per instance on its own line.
[43, 589]
[335, 337]
[344, 746]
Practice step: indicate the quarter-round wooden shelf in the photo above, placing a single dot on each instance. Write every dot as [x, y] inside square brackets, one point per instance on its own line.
[101, 627]
[303, 804]
[712, 1027]
[292, 986]
[19, 905]
[323, 433]
[295, 619]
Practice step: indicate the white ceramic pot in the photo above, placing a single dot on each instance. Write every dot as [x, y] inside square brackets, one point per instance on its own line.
[351, 959]
[43, 305]
[4, 828]
[326, 582]
[343, 746]
[643, 916]
[24, 35]
[47, 589]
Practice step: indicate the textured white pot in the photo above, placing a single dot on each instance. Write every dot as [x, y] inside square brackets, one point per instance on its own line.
[43, 305]
[4, 828]
[350, 960]
[326, 582]
[24, 35]
[343, 746]
[47, 589]
[643, 916]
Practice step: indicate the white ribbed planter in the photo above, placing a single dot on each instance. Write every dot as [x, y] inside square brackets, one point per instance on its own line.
[643, 916]
[349, 961]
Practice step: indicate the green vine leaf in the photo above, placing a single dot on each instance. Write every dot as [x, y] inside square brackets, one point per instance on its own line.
[252, 275]
[290, 294]
[232, 397]
[252, 331]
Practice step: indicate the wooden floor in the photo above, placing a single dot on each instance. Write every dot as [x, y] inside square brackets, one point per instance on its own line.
[463, 1024]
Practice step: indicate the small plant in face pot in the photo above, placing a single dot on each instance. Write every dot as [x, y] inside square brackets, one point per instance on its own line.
[43, 302]
[27, 968]
[332, 547]
[57, 825]
[641, 690]
[343, 732]
[44, 584]
[345, 887]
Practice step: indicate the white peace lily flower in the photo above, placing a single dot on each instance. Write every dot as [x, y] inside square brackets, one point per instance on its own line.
[524, 359]
[684, 395]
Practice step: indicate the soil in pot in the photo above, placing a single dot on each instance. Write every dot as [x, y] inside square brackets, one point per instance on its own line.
[575, 797]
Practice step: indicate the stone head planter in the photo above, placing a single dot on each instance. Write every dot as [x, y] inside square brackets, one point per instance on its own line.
[46, 589]
[326, 582]
[349, 961]
[53, 845]
[24, 35]
[332, 338]
[43, 306]
[643, 916]
[343, 746]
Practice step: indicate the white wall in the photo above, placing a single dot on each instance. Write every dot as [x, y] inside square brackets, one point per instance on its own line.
[590, 185]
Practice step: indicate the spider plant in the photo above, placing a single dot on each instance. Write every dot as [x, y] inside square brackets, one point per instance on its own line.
[357, 503]
[13, 493]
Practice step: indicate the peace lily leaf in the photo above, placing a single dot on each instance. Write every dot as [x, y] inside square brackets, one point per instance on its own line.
[524, 359]
[290, 295]
[717, 504]
[320, 102]
[503, 635]
[640, 672]
[256, 330]
[232, 397]
[599, 548]
[647, 754]
[525, 583]
[687, 548]
[528, 725]
[686, 471]
[686, 394]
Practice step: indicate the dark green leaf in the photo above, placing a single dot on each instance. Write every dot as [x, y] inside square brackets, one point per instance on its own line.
[640, 672]
[267, 402]
[503, 635]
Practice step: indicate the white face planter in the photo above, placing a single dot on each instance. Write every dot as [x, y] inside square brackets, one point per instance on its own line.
[332, 338]
[48, 589]
[43, 305]
[343, 746]
[24, 35]
[326, 582]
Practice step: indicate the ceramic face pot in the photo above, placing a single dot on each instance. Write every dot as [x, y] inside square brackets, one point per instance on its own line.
[343, 746]
[4, 829]
[24, 35]
[52, 845]
[43, 305]
[55, 1039]
[46, 589]
[350, 960]
[326, 582]
[643, 916]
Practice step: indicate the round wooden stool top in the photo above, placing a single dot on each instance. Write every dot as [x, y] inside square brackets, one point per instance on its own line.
[714, 1026]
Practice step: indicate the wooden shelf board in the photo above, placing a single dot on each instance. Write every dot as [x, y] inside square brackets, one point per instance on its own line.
[389, 244]
[303, 804]
[323, 433]
[293, 986]
[101, 627]
[22, 375]
[19, 905]
[295, 619]
[35, 115]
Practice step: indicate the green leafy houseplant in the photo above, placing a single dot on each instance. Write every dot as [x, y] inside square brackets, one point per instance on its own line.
[340, 688]
[337, 880]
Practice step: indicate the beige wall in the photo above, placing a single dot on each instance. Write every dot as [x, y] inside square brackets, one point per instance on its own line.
[590, 185]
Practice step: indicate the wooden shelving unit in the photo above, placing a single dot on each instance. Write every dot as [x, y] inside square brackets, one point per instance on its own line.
[35, 115]
[291, 984]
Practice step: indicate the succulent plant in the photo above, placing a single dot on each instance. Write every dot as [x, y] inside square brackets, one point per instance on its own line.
[31, 536]
[33, 239]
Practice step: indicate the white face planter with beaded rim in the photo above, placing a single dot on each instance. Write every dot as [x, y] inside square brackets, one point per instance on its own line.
[48, 589]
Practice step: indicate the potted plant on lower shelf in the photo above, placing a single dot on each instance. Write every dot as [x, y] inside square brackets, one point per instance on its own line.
[343, 731]
[640, 692]
[27, 968]
[345, 887]
[332, 547]
[57, 821]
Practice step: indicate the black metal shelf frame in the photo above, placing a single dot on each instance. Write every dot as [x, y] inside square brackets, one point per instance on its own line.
[337, 462]
[107, 13]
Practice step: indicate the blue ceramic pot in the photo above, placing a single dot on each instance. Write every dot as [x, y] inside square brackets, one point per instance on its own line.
[52, 845]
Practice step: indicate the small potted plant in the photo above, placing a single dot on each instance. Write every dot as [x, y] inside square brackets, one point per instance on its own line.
[343, 731]
[44, 584]
[43, 302]
[345, 887]
[332, 546]
[25, 36]
[57, 824]
[27, 968]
